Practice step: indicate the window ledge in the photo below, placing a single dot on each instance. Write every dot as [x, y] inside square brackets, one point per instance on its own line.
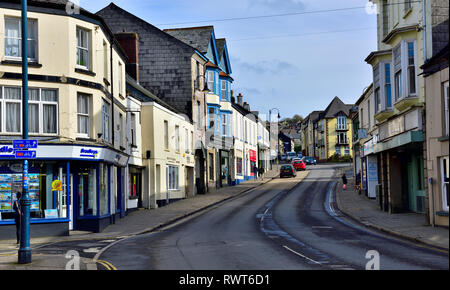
[85, 71]
[87, 139]
[107, 83]
[19, 63]
[443, 139]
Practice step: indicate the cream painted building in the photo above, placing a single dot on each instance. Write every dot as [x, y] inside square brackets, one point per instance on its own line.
[77, 112]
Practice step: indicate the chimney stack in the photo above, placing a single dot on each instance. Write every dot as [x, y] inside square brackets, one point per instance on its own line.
[129, 41]
[246, 106]
[240, 99]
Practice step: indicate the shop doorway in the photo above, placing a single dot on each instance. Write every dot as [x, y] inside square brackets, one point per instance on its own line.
[136, 185]
[416, 187]
[224, 167]
[189, 182]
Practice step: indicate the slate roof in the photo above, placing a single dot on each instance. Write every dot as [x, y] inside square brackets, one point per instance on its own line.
[220, 43]
[336, 106]
[197, 37]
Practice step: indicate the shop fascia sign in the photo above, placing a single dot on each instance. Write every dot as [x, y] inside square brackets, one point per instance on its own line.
[369, 145]
[19, 149]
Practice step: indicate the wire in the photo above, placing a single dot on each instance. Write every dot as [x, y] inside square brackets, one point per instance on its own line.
[303, 34]
[284, 14]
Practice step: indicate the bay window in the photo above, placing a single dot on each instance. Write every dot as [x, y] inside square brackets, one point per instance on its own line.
[387, 85]
[223, 90]
[211, 81]
[411, 69]
[13, 38]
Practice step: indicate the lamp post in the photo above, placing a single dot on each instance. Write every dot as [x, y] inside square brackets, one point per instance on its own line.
[270, 133]
[24, 254]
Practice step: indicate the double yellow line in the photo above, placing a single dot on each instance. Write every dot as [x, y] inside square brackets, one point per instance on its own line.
[106, 264]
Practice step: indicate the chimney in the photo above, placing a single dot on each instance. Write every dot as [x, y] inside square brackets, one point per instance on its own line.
[233, 99]
[129, 41]
[246, 106]
[240, 99]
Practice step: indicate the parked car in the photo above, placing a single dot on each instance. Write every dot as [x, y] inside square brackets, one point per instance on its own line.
[283, 157]
[291, 155]
[309, 160]
[299, 164]
[300, 155]
[287, 170]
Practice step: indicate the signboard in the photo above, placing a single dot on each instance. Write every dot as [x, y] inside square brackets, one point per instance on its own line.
[20, 154]
[252, 155]
[51, 213]
[25, 144]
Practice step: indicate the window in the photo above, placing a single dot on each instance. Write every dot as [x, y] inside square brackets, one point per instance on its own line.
[83, 54]
[172, 172]
[377, 100]
[186, 140]
[199, 116]
[223, 90]
[13, 38]
[119, 78]
[387, 85]
[446, 103]
[106, 128]
[12, 106]
[166, 135]
[212, 116]
[342, 138]
[211, 166]
[224, 124]
[445, 183]
[238, 166]
[398, 85]
[42, 111]
[120, 128]
[342, 123]
[177, 138]
[211, 81]
[347, 150]
[105, 61]
[338, 150]
[133, 129]
[385, 17]
[84, 126]
[411, 69]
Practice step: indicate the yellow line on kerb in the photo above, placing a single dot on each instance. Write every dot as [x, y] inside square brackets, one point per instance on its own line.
[107, 264]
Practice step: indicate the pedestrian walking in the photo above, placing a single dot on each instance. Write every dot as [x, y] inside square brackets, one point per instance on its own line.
[255, 171]
[261, 172]
[344, 181]
[358, 182]
[17, 215]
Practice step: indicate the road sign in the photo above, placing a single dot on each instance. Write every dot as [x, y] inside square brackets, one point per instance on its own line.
[25, 154]
[25, 144]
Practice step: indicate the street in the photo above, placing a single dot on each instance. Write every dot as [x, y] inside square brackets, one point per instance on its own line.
[281, 225]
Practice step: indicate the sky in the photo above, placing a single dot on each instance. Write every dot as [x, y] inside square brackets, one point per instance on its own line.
[296, 62]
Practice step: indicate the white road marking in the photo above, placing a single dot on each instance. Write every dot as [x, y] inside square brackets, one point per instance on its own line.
[303, 256]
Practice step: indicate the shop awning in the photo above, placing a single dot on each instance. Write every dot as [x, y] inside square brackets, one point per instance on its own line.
[399, 140]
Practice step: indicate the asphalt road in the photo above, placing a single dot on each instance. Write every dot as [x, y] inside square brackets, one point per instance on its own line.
[282, 225]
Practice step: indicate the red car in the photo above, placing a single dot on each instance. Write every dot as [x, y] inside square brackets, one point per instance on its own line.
[299, 165]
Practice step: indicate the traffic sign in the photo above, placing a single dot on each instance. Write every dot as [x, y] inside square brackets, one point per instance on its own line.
[25, 144]
[25, 154]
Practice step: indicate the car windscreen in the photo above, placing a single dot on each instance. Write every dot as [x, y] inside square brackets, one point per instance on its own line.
[285, 167]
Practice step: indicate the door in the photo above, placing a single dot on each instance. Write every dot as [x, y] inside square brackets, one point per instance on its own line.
[416, 186]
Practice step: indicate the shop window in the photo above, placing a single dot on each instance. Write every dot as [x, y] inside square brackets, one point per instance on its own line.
[87, 191]
[173, 177]
[211, 166]
[46, 203]
[104, 189]
[239, 166]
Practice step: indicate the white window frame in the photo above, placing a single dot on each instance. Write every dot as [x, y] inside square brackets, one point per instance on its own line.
[223, 90]
[341, 123]
[41, 105]
[33, 23]
[3, 110]
[173, 178]
[85, 115]
[106, 121]
[166, 135]
[211, 83]
[79, 31]
[177, 138]
[446, 108]
[406, 66]
[444, 184]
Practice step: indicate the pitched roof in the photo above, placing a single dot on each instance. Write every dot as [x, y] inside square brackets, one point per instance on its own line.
[336, 106]
[197, 37]
[220, 43]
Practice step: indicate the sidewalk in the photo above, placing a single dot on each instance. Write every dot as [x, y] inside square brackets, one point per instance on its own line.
[137, 222]
[411, 226]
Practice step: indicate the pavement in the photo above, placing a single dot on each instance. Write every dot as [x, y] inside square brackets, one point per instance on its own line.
[410, 226]
[135, 223]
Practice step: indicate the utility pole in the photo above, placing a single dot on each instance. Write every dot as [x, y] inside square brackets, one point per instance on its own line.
[24, 254]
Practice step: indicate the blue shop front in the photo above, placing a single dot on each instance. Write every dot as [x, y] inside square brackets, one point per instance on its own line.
[71, 187]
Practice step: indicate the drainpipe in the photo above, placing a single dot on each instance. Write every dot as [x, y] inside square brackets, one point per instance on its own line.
[112, 91]
[424, 26]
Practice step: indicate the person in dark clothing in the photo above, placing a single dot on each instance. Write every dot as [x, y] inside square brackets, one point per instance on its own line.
[17, 215]
[261, 172]
[255, 171]
[344, 181]
[358, 182]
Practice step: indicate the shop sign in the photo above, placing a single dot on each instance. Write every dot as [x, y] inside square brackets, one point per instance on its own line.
[89, 153]
[25, 144]
[252, 156]
[21, 154]
[6, 151]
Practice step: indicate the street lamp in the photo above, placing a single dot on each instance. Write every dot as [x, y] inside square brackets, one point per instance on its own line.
[24, 254]
[270, 134]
